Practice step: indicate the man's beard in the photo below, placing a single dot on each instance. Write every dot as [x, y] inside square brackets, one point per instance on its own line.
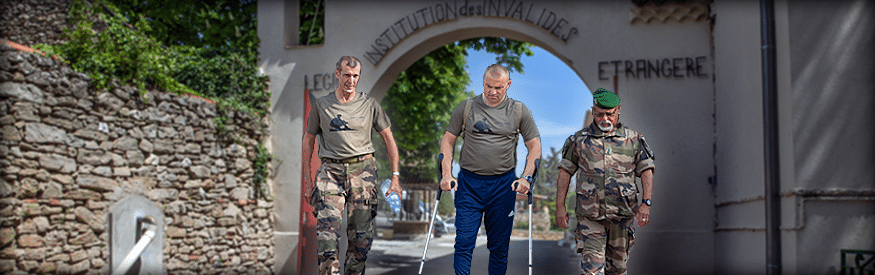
[606, 126]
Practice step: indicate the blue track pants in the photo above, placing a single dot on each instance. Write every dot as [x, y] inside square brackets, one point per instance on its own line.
[490, 198]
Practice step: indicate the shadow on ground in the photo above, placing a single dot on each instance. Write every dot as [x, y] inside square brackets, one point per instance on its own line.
[547, 257]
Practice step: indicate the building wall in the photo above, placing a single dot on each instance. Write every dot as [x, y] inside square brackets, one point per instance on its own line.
[674, 111]
[832, 75]
[739, 240]
[69, 153]
[825, 81]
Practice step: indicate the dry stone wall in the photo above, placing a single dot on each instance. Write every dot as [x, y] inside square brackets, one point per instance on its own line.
[31, 22]
[69, 153]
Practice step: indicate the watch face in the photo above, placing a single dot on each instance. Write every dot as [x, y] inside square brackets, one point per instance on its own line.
[647, 202]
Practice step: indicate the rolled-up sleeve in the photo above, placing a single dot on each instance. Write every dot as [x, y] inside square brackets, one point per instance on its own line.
[643, 165]
[644, 157]
[569, 156]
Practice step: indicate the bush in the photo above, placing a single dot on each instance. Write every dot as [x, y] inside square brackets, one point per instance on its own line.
[120, 54]
[114, 53]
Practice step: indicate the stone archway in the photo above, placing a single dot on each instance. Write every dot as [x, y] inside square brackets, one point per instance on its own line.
[596, 39]
[396, 65]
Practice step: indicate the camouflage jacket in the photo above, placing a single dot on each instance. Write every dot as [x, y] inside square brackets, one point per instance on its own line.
[606, 165]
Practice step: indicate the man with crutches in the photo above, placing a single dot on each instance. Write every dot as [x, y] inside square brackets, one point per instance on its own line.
[490, 124]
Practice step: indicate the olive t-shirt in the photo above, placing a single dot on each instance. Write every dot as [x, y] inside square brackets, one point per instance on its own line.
[344, 129]
[489, 146]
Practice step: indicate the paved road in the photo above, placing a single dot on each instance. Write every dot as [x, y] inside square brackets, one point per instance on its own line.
[396, 257]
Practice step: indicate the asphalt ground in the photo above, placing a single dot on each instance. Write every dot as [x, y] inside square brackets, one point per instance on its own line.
[391, 257]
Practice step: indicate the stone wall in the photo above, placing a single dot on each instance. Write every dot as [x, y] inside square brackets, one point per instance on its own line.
[32, 22]
[69, 153]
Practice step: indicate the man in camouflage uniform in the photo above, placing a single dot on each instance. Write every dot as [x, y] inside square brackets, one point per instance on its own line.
[607, 157]
[347, 177]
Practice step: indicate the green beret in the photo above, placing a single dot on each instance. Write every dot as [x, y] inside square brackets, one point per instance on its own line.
[605, 99]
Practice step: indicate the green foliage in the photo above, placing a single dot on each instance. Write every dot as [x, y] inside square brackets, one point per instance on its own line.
[424, 95]
[221, 128]
[262, 159]
[548, 173]
[521, 225]
[223, 75]
[446, 205]
[509, 51]
[419, 104]
[120, 54]
[312, 30]
[215, 61]
[117, 55]
[220, 25]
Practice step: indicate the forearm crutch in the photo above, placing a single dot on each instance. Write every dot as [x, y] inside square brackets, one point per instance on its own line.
[437, 200]
[531, 187]
[529, 193]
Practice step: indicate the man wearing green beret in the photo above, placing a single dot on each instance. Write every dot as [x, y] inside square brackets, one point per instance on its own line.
[607, 157]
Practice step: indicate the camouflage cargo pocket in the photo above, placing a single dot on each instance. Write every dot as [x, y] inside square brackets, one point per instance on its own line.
[628, 192]
[630, 240]
[326, 184]
[587, 195]
[588, 184]
[626, 174]
[364, 195]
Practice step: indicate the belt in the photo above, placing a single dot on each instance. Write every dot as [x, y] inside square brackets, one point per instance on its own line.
[349, 160]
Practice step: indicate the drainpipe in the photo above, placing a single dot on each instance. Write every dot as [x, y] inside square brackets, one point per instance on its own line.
[149, 230]
[770, 129]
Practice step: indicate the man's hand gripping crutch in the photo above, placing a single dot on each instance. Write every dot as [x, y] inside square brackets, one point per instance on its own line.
[451, 183]
[529, 193]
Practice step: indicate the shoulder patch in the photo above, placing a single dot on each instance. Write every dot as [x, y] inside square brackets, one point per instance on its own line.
[646, 149]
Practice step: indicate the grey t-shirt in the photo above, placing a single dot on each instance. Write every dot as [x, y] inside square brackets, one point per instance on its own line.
[344, 129]
[489, 146]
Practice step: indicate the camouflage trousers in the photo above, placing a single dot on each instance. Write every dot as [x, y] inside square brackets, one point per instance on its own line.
[604, 245]
[350, 185]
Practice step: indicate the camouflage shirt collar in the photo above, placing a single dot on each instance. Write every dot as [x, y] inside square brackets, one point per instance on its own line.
[618, 131]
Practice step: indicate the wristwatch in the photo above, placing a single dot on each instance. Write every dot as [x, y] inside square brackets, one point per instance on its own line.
[528, 178]
[647, 202]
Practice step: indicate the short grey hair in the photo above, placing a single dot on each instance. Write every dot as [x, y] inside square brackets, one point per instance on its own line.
[350, 61]
[496, 71]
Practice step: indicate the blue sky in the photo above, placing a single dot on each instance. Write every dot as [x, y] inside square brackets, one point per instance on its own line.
[557, 97]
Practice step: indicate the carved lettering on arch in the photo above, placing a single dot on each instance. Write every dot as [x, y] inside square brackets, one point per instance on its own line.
[527, 11]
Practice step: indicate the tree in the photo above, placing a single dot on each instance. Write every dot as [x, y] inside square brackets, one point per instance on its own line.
[312, 22]
[212, 47]
[222, 25]
[548, 173]
[424, 95]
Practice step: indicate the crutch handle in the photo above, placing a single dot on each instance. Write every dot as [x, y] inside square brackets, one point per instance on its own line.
[441, 176]
[534, 178]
